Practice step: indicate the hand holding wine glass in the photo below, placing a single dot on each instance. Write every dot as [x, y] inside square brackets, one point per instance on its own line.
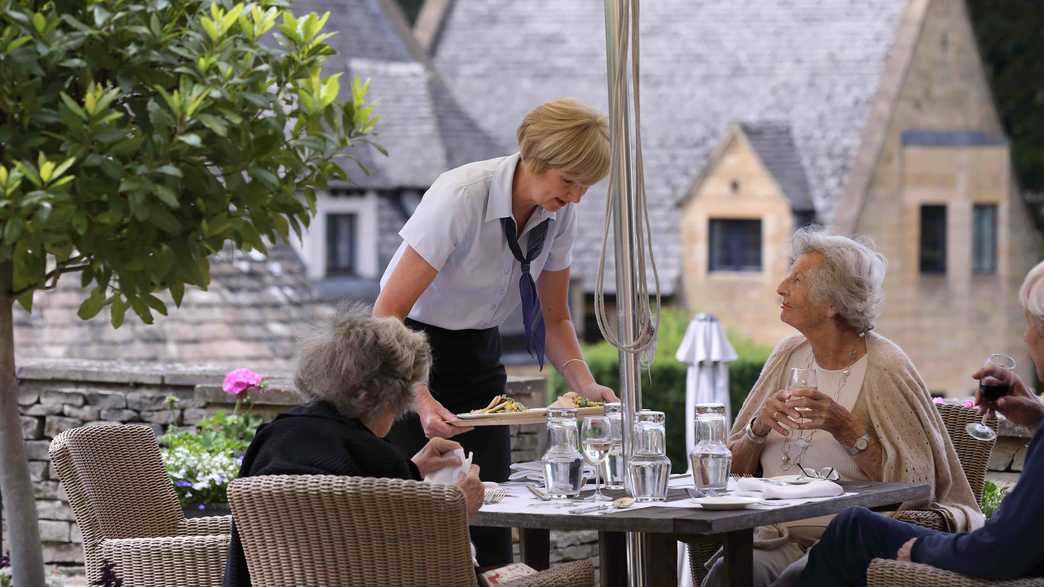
[1020, 405]
[995, 382]
[597, 439]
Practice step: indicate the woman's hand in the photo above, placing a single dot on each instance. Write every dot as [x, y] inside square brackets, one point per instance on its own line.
[437, 454]
[434, 417]
[776, 415]
[600, 393]
[474, 490]
[819, 411]
[1020, 405]
[905, 551]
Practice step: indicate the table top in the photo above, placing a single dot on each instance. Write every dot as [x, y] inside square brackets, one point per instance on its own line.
[698, 521]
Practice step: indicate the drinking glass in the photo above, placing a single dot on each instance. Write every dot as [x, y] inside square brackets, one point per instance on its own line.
[990, 390]
[794, 447]
[596, 436]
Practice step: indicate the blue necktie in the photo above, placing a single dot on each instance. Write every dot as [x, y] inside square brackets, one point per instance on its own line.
[532, 317]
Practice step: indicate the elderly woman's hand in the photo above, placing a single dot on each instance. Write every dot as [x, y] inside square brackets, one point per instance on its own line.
[474, 490]
[1020, 405]
[775, 415]
[819, 411]
[437, 454]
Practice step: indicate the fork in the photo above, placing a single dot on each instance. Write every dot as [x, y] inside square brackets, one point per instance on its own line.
[494, 495]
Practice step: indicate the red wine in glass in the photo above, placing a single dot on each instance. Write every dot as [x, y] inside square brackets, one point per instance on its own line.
[992, 389]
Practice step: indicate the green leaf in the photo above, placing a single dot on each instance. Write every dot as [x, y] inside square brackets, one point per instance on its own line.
[117, 311]
[170, 170]
[156, 304]
[26, 300]
[214, 123]
[13, 230]
[92, 305]
[266, 177]
[177, 291]
[166, 195]
[191, 139]
[39, 22]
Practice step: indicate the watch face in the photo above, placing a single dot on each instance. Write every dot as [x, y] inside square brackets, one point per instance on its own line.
[861, 444]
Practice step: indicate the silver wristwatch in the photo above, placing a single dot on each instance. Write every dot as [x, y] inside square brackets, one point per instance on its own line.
[860, 444]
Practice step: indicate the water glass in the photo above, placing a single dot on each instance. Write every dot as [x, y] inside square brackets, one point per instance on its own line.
[710, 459]
[613, 471]
[649, 468]
[563, 464]
[596, 438]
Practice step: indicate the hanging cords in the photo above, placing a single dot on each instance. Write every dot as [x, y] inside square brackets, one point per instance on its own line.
[644, 339]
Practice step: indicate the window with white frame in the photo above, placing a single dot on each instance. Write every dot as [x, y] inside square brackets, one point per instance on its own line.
[342, 246]
[734, 245]
[984, 238]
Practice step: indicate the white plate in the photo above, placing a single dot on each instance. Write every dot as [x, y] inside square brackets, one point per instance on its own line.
[726, 502]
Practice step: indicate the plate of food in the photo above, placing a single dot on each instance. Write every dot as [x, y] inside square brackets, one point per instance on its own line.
[506, 411]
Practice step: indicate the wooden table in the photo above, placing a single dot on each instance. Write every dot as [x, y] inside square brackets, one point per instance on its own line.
[662, 527]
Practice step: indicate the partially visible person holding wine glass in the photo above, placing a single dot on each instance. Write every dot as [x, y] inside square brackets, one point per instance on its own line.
[596, 436]
[993, 384]
[1008, 546]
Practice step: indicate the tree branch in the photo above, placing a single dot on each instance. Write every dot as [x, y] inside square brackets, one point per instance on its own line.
[53, 275]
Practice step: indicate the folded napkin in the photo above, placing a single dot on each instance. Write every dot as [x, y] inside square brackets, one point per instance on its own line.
[453, 473]
[779, 490]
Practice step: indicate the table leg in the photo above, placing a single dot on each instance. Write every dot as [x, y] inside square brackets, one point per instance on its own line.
[739, 557]
[661, 560]
[534, 544]
[612, 559]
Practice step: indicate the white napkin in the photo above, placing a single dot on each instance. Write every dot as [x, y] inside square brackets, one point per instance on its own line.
[779, 490]
[453, 473]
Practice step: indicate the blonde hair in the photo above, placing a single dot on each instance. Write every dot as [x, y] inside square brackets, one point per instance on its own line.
[1031, 294]
[361, 364]
[851, 277]
[566, 135]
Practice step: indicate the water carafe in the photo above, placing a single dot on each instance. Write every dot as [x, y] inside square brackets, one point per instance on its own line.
[613, 471]
[563, 463]
[649, 467]
[711, 458]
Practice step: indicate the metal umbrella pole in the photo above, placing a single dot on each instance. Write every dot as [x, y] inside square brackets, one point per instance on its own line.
[624, 232]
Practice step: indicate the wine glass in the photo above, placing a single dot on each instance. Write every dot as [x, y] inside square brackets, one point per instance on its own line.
[596, 437]
[794, 450]
[991, 389]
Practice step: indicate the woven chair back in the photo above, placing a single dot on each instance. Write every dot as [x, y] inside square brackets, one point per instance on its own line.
[351, 531]
[124, 481]
[973, 454]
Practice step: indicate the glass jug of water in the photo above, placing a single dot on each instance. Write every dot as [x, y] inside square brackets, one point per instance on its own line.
[711, 459]
[649, 468]
[563, 463]
[613, 471]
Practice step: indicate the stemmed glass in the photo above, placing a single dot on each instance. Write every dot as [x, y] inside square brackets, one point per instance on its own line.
[991, 389]
[794, 450]
[596, 437]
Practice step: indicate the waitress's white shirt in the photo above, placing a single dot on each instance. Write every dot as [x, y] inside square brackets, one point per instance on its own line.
[456, 229]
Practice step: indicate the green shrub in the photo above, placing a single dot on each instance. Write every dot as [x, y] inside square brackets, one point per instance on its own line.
[992, 496]
[663, 383]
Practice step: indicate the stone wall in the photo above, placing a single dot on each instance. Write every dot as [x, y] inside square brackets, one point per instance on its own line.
[58, 395]
[1009, 454]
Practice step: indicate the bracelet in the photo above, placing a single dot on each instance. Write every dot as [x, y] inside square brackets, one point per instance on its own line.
[561, 368]
[751, 435]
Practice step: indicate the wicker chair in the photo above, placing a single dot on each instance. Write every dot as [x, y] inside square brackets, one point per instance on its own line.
[974, 456]
[345, 531]
[893, 573]
[128, 512]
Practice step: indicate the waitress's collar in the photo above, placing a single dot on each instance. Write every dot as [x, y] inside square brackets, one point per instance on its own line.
[498, 204]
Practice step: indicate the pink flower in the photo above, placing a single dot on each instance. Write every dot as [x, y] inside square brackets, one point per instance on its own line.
[969, 403]
[239, 380]
[935, 400]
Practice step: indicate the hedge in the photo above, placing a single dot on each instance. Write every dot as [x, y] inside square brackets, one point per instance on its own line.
[663, 383]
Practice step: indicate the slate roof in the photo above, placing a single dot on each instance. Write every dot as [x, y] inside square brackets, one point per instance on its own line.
[774, 145]
[252, 312]
[705, 65]
[950, 138]
[423, 128]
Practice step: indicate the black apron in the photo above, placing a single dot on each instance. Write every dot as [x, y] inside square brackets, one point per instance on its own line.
[466, 373]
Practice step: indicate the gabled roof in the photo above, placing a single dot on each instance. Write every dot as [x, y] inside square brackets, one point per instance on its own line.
[423, 128]
[816, 66]
[774, 145]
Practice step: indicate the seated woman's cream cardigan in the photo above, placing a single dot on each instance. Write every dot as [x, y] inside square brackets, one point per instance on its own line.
[895, 401]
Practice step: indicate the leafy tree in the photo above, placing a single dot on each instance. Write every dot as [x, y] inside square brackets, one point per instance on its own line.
[137, 137]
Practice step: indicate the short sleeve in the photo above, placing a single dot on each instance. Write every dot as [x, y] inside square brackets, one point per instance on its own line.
[439, 223]
[561, 255]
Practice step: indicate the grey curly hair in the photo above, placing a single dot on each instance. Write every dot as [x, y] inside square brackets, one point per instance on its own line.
[361, 364]
[851, 278]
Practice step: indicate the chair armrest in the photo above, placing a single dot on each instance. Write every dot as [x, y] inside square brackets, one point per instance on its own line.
[168, 560]
[575, 574]
[893, 573]
[926, 518]
[205, 525]
[701, 550]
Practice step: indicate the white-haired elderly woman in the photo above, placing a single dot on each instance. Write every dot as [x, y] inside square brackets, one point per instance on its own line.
[356, 375]
[870, 416]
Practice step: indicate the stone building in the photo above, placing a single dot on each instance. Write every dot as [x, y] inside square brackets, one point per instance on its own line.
[871, 117]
